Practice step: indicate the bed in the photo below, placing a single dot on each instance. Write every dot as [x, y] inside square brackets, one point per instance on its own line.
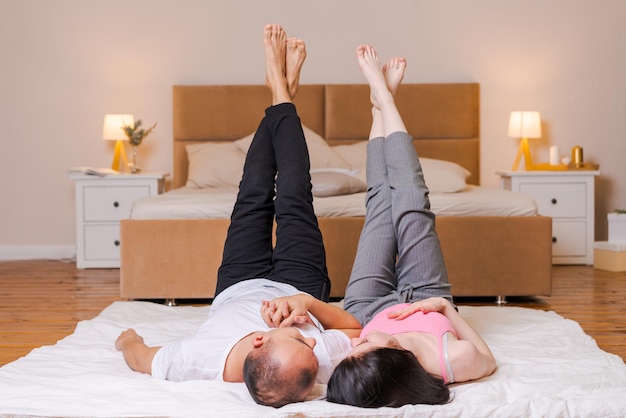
[166, 257]
[547, 367]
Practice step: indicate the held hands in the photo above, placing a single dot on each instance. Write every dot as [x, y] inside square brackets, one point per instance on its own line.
[434, 304]
[286, 311]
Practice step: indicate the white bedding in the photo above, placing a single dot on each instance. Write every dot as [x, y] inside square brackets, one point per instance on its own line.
[547, 367]
[188, 203]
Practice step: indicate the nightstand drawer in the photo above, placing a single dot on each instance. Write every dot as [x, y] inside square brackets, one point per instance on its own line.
[565, 200]
[104, 203]
[102, 242]
[569, 239]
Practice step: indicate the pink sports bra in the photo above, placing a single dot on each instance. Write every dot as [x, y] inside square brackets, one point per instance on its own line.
[433, 323]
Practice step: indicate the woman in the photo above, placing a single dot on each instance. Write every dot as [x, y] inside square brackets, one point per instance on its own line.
[414, 342]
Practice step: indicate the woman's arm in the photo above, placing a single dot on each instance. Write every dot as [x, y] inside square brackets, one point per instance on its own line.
[479, 358]
[285, 311]
[137, 354]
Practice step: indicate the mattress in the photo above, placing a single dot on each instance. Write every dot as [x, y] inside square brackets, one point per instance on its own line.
[547, 367]
[188, 203]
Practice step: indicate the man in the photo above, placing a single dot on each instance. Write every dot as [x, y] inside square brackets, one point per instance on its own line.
[278, 365]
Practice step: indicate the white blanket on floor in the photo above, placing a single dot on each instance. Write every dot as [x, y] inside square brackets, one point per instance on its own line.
[547, 367]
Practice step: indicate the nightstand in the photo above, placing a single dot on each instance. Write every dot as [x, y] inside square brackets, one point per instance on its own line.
[567, 196]
[101, 202]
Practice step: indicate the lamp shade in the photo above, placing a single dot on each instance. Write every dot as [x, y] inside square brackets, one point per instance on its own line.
[525, 124]
[112, 128]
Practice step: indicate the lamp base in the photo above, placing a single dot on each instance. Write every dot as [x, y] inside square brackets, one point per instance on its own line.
[525, 152]
[119, 154]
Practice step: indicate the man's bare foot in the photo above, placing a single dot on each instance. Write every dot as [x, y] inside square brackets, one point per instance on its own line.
[274, 42]
[394, 73]
[296, 53]
[370, 67]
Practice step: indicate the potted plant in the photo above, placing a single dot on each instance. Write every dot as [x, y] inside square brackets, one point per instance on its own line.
[136, 136]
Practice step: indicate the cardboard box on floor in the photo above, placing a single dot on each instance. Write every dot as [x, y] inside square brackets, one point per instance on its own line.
[609, 256]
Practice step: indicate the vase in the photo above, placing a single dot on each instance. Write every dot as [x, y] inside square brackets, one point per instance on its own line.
[134, 166]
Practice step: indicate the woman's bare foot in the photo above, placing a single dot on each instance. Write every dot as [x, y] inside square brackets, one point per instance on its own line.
[274, 42]
[394, 73]
[370, 67]
[296, 53]
[386, 118]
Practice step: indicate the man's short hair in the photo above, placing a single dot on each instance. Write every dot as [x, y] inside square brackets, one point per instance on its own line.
[271, 386]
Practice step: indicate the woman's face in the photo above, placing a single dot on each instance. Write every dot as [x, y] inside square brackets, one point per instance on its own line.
[373, 340]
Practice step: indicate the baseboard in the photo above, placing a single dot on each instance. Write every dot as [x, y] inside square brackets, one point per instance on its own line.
[37, 252]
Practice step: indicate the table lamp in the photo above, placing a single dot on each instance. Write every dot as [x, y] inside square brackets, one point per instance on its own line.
[524, 125]
[112, 131]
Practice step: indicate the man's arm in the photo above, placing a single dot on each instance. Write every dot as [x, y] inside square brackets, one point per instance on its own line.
[137, 354]
[285, 311]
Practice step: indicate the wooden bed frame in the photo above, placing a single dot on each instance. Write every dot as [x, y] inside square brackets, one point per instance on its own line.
[485, 256]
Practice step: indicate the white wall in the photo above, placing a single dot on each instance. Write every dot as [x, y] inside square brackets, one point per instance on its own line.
[65, 63]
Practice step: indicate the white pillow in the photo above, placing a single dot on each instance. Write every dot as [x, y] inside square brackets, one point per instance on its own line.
[244, 143]
[321, 154]
[356, 156]
[334, 183]
[214, 164]
[440, 176]
[444, 176]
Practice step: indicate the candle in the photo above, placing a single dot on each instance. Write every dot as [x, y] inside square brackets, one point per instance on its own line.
[554, 155]
[577, 156]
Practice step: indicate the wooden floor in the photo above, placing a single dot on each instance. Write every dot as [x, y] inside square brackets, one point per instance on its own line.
[43, 300]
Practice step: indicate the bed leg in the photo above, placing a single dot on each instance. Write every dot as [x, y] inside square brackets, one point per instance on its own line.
[501, 300]
[170, 302]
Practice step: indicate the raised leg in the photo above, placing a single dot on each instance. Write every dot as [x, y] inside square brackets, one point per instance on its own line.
[419, 271]
[248, 246]
[299, 256]
[372, 284]
[420, 267]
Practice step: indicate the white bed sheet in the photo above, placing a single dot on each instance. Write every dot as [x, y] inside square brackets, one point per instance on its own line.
[187, 203]
[547, 367]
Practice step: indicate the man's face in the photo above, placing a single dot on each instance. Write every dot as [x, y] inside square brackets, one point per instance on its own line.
[291, 347]
[290, 336]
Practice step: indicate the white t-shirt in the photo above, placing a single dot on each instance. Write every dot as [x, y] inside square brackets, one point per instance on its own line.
[234, 314]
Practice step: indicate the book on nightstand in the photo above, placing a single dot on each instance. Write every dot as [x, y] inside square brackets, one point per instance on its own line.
[100, 172]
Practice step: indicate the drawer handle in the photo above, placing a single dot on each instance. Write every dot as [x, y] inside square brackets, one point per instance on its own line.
[554, 240]
[553, 201]
[116, 204]
[117, 242]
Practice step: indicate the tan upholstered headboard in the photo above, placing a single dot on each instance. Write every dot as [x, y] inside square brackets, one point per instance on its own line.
[442, 118]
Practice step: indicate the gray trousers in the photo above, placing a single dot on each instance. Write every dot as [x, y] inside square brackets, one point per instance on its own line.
[399, 257]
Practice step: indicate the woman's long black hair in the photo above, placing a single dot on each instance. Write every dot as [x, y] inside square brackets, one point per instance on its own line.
[385, 377]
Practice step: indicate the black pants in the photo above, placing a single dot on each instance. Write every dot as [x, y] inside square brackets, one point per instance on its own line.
[298, 258]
